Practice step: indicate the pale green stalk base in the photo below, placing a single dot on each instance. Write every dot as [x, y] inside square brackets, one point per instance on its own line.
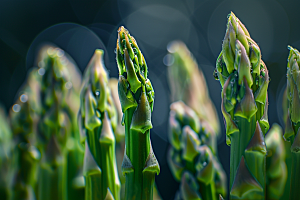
[138, 185]
[104, 155]
[208, 191]
[75, 188]
[50, 184]
[93, 189]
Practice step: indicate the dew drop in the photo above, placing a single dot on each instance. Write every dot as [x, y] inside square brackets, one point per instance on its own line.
[168, 60]
[23, 98]
[16, 108]
[60, 53]
[68, 85]
[41, 71]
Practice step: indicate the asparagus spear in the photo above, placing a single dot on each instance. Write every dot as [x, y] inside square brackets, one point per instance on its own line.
[188, 84]
[244, 79]
[73, 150]
[24, 127]
[292, 121]
[6, 153]
[55, 124]
[137, 97]
[98, 119]
[276, 166]
[191, 158]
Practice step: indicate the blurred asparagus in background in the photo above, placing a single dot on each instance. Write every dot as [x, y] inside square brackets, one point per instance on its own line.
[137, 98]
[244, 79]
[24, 117]
[292, 121]
[6, 152]
[119, 132]
[187, 83]
[57, 133]
[97, 119]
[276, 175]
[191, 157]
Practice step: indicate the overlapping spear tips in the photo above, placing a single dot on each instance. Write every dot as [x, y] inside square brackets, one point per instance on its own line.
[133, 72]
[187, 83]
[55, 80]
[293, 85]
[97, 120]
[191, 144]
[180, 116]
[130, 60]
[95, 96]
[57, 69]
[239, 52]
[25, 112]
[276, 166]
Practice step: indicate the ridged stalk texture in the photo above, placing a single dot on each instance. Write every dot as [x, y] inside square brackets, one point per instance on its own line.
[187, 83]
[292, 121]
[136, 95]
[191, 157]
[24, 116]
[98, 119]
[6, 153]
[276, 167]
[244, 79]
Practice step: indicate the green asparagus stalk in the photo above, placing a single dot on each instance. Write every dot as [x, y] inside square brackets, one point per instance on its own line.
[24, 116]
[98, 120]
[244, 79]
[55, 124]
[292, 121]
[191, 158]
[137, 98]
[120, 137]
[276, 170]
[73, 180]
[6, 153]
[187, 84]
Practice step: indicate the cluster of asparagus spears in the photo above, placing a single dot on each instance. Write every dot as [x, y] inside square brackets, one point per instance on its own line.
[258, 165]
[193, 130]
[67, 137]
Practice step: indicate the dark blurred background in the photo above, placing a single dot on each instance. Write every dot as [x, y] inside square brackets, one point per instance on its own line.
[79, 27]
